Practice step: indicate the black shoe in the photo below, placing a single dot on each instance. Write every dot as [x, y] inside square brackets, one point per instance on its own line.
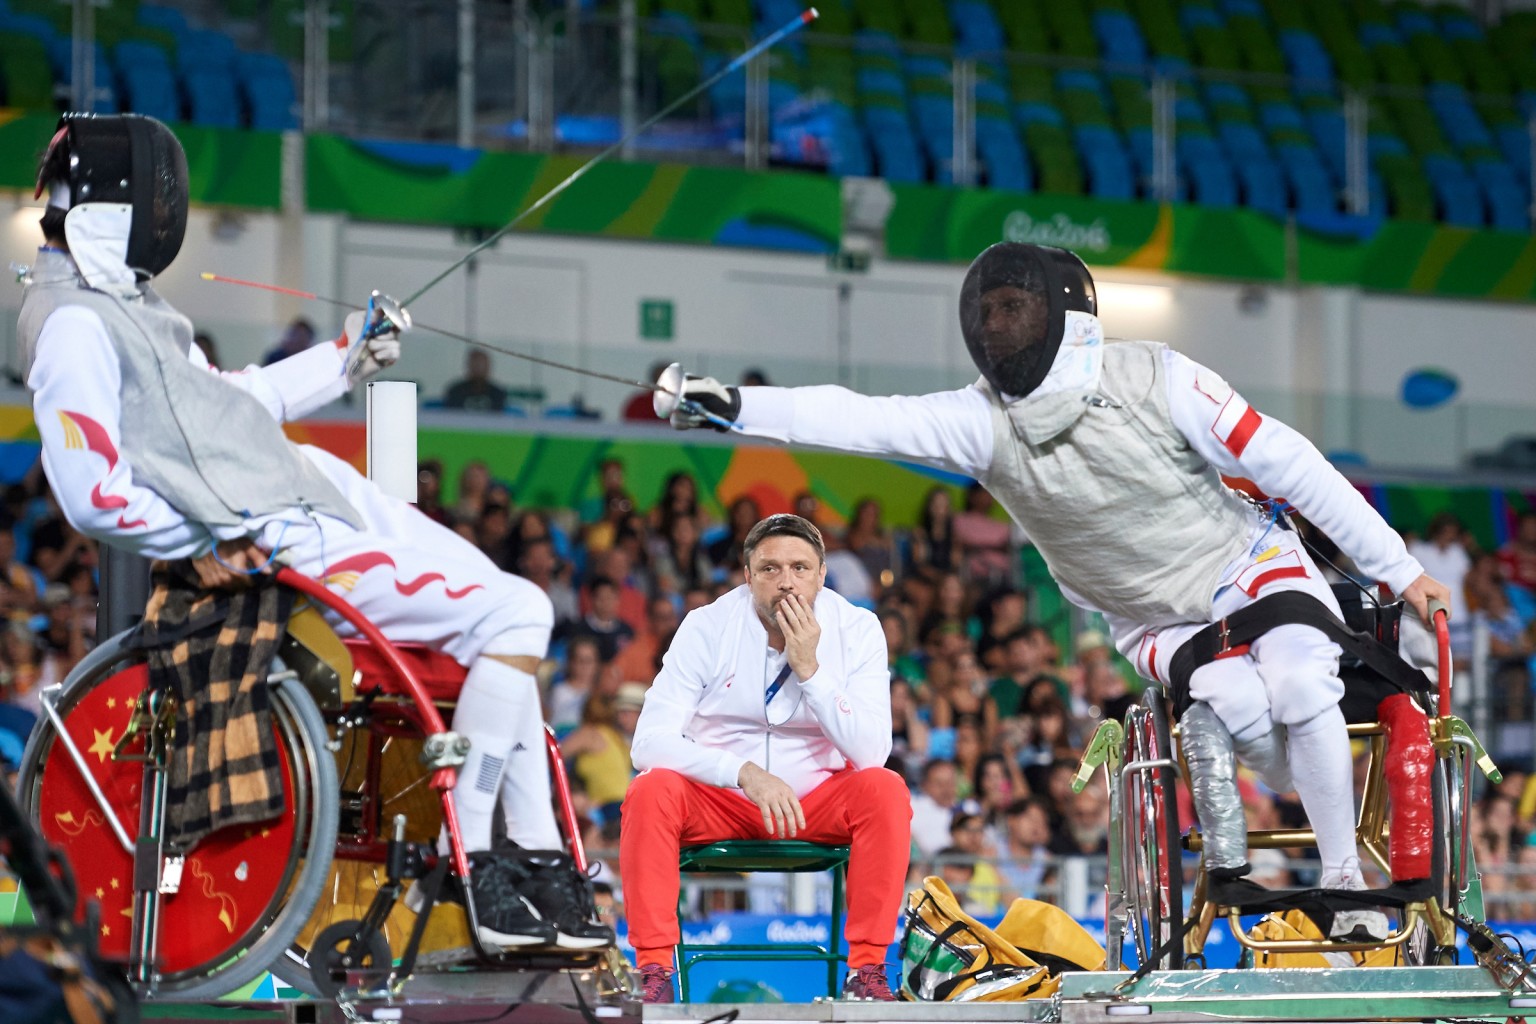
[506, 919]
[561, 894]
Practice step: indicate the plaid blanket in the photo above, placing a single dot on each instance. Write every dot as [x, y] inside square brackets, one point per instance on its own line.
[211, 651]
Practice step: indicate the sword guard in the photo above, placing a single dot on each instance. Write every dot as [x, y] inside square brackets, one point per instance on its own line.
[385, 314]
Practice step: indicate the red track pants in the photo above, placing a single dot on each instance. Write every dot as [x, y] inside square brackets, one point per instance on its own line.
[869, 810]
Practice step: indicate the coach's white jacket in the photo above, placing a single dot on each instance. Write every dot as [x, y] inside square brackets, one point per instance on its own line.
[704, 716]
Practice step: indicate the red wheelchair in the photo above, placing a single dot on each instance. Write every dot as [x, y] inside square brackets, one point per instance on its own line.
[313, 894]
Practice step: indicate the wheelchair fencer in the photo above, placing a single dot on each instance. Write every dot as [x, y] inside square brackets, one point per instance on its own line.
[315, 894]
[1412, 821]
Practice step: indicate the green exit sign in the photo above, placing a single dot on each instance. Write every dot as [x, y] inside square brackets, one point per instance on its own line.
[656, 319]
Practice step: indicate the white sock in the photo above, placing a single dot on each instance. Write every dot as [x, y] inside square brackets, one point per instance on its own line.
[496, 702]
[526, 793]
[1323, 771]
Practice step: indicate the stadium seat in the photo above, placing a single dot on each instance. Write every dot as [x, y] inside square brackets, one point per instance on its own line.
[1002, 157]
[1455, 192]
[1104, 159]
[212, 97]
[1508, 206]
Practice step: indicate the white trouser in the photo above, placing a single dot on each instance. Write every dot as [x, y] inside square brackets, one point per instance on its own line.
[1289, 676]
[414, 578]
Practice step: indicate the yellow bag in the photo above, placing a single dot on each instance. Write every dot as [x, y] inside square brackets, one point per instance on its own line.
[1295, 924]
[949, 956]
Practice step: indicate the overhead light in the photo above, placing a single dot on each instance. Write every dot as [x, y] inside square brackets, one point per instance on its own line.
[1116, 297]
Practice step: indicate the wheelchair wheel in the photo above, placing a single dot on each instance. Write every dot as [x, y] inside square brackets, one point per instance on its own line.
[1154, 870]
[246, 890]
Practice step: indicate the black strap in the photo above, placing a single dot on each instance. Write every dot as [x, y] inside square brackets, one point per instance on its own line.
[1288, 607]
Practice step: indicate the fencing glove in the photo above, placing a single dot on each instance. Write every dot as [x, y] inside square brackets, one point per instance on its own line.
[365, 357]
[706, 393]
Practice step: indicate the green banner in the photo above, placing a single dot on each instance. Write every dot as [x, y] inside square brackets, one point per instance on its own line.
[1425, 258]
[934, 223]
[227, 166]
[668, 202]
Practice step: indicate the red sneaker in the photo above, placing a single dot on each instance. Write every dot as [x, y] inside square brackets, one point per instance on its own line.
[656, 984]
[868, 982]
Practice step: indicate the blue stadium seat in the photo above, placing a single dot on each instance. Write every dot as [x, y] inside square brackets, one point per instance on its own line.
[1508, 206]
[1139, 143]
[1460, 121]
[877, 82]
[1244, 142]
[212, 98]
[1120, 40]
[1263, 186]
[167, 18]
[1515, 144]
[28, 25]
[1328, 133]
[1456, 192]
[205, 48]
[1311, 189]
[1031, 111]
[976, 27]
[1003, 157]
[895, 146]
[271, 102]
[150, 90]
[1212, 184]
[1277, 115]
[925, 67]
[1073, 78]
[990, 91]
[1306, 59]
[1104, 159]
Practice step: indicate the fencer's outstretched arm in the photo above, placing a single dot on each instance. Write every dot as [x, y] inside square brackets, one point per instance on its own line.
[1240, 442]
[290, 388]
[948, 429]
[855, 712]
[294, 387]
[75, 379]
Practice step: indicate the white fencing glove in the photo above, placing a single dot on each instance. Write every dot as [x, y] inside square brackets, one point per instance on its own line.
[678, 389]
[367, 356]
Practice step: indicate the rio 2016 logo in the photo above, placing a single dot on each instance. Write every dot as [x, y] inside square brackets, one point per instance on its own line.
[1060, 230]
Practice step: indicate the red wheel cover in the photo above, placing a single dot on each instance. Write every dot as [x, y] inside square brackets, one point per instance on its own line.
[230, 880]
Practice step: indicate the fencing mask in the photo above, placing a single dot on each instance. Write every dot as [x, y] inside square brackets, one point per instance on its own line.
[117, 192]
[1013, 308]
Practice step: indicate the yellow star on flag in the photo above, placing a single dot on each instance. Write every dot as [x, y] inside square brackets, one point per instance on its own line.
[101, 893]
[114, 884]
[111, 702]
[103, 744]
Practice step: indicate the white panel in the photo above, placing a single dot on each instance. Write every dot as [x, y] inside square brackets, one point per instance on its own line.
[1490, 347]
[539, 301]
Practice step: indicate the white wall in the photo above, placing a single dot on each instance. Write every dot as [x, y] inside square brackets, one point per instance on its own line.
[1298, 352]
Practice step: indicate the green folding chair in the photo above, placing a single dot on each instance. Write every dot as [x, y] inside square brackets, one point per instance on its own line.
[744, 856]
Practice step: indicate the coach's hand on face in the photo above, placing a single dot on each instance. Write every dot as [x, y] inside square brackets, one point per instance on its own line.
[796, 617]
[782, 816]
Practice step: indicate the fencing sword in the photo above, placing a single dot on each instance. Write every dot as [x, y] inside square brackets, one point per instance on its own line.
[386, 314]
[804, 18]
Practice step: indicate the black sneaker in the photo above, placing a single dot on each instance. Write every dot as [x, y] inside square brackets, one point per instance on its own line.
[506, 919]
[561, 894]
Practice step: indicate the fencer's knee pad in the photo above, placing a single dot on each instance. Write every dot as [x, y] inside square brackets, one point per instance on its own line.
[1208, 751]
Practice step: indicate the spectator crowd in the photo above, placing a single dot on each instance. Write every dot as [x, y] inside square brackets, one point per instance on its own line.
[990, 714]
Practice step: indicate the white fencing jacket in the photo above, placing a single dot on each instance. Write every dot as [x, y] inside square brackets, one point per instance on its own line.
[705, 717]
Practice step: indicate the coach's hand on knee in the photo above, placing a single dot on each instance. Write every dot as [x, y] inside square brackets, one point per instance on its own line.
[782, 816]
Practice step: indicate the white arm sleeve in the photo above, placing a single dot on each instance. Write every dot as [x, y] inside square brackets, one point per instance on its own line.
[948, 429]
[290, 388]
[660, 740]
[855, 712]
[75, 380]
[1240, 442]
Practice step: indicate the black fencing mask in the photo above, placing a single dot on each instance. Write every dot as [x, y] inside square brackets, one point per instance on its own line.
[123, 159]
[1013, 308]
